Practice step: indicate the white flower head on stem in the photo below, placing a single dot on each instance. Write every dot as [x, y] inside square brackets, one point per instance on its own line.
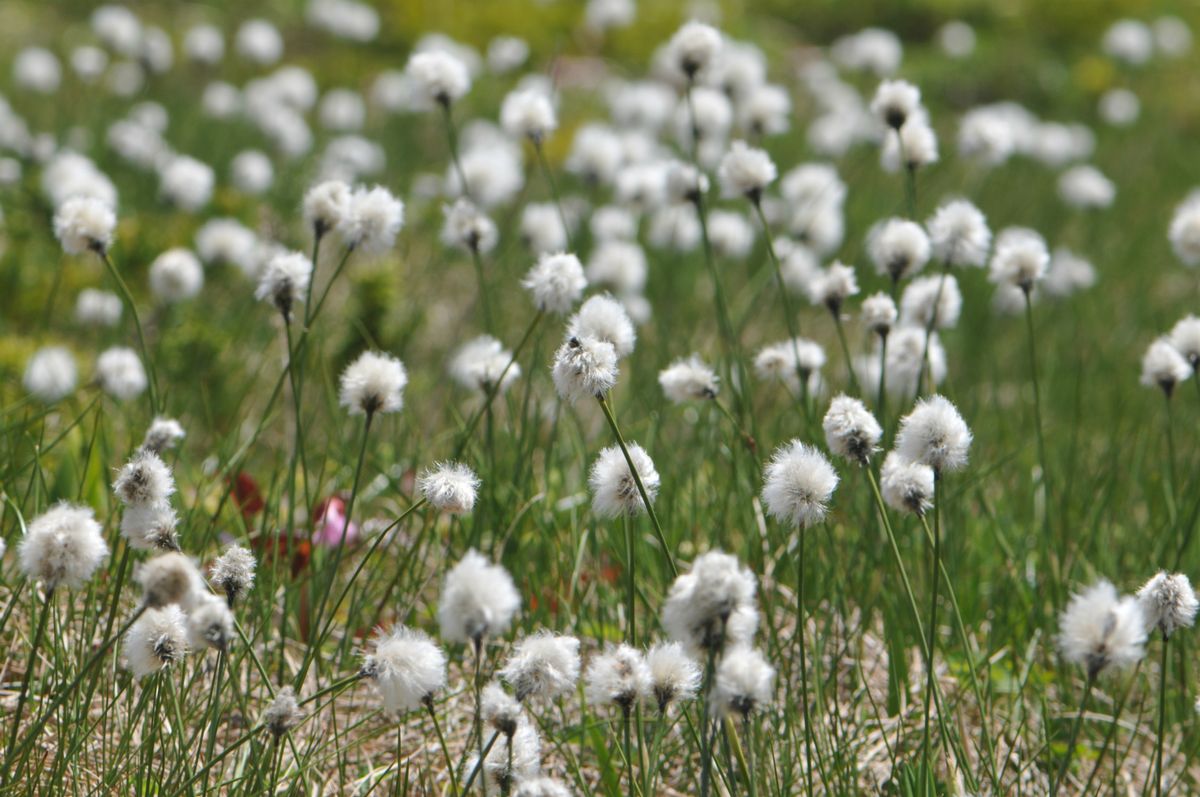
[62, 547]
[789, 361]
[120, 373]
[156, 640]
[406, 667]
[373, 220]
[584, 368]
[1099, 629]
[674, 675]
[283, 713]
[150, 526]
[931, 301]
[555, 282]
[163, 434]
[914, 145]
[145, 479]
[528, 113]
[1185, 337]
[833, 286]
[170, 578]
[83, 224]
[1168, 602]
[478, 600]
[50, 374]
[469, 227]
[284, 281]
[478, 364]
[233, 572]
[907, 486]
[746, 171]
[1020, 259]
[693, 48]
[604, 318]
[439, 76]
[619, 676]
[500, 709]
[373, 383]
[326, 205]
[959, 234]
[797, 485]
[851, 431]
[895, 101]
[1184, 232]
[449, 487]
[210, 623]
[744, 683]
[517, 761]
[934, 434]
[687, 380]
[712, 605]
[176, 275]
[542, 666]
[879, 313]
[898, 248]
[614, 491]
[1164, 367]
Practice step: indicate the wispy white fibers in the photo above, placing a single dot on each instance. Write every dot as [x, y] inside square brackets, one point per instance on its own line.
[283, 713]
[84, 224]
[712, 605]
[674, 675]
[832, 286]
[1099, 629]
[373, 383]
[1168, 602]
[744, 683]
[478, 600]
[1184, 232]
[693, 48]
[479, 363]
[145, 479]
[500, 709]
[449, 487]
[555, 282]
[163, 434]
[933, 301]
[619, 676]
[895, 101]
[797, 485]
[687, 380]
[176, 275]
[210, 622]
[604, 318]
[746, 171]
[907, 486]
[934, 434]
[326, 205]
[233, 572]
[284, 281]
[614, 489]
[156, 640]
[406, 667]
[879, 313]
[543, 666]
[439, 76]
[789, 361]
[62, 547]
[150, 526]
[851, 431]
[120, 373]
[959, 234]
[372, 221]
[528, 113]
[508, 765]
[912, 147]
[50, 374]
[1163, 366]
[1185, 337]
[170, 578]
[898, 248]
[1020, 258]
[584, 368]
[468, 227]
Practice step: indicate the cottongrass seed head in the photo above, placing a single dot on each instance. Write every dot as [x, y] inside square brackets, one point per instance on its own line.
[469, 227]
[879, 313]
[1099, 629]
[373, 220]
[478, 600]
[1164, 367]
[959, 234]
[284, 281]
[604, 318]
[711, 605]
[797, 485]
[50, 374]
[233, 572]
[934, 434]
[282, 713]
[170, 578]
[1168, 602]
[584, 368]
[744, 682]
[120, 373]
[449, 487]
[689, 379]
[151, 526]
[542, 666]
[556, 282]
[145, 479]
[895, 101]
[440, 76]
[614, 489]
[163, 434]
[1185, 337]
[516, 761]
[62, 547]
[326, 205]
[898, 248]
[694, 47]
[1020, 258]
[483, 364]
[746, 171]
[84, 223]
[156, 640]
[406, 667]
[619, 676]
[500, 709]
[907, 486]
[674, 675]
[210, 623]
[851, 431]
[832, 286]
[373, 383]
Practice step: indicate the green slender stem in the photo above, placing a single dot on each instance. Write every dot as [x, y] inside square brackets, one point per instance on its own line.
[625, 715]
[789, 314]
[30, 666]
[545, 167]
[881, 404]
[477, 685]
[1066, 762]
[437, 727]
[751, 772]
[214, 709]
[927, 773]
[1171, 478]
[801, 622]
[318, 234]
[151, 380]
[710, 667]
[452, 142]
[929, 326]
[475, 770]
[747, 439]
[484, 304]
[637, 479]
[631, 581]
[841, 333]
[1037, 402]
[1162, 719]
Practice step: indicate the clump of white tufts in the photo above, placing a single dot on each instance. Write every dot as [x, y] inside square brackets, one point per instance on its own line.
[120, 373]
[746, 171]
[1164, 367]
[186, 182]
[543, 666]
[933, 302]
[797, 485]
[907, 486]
[176, 275]
[145, 479]
[694, 48]
[62, 547]
[895, 101]
[584, 368]
[84, 223]
[283, 713]
[1099, 629]
[614, 490]
[210, 623]
[233, 572]
[170, 578]
[528, 113]
[1086, 187]
[406, 667]
[509, 765]
[913, 146]
[1185, 337]
[674, 675]
[688, 379]
[604, 318]
[832, 286]
[449, 487]
[500, 709]
[478, 600]
[97, 308]
[163, 434]
[789, 362]
[468, 227]
[50, 374]
[712, 605]
[744, 682]
[150, 526]
[1020, 259]
[879, 313]
[851, 431]
[480, 363]
[1184, 232]
[156, 640]
[619, 676]
[934, 434]
[555, 282]
[898, 247]
[439, 76]
[1168, 602]
[373, 383]
[959, 234]
[373, 220]
[326, 205]
[284, 282]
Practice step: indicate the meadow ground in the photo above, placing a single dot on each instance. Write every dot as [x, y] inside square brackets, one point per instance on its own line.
[167, 177]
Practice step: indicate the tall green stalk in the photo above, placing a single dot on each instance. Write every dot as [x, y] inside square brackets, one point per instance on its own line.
[1066, 762]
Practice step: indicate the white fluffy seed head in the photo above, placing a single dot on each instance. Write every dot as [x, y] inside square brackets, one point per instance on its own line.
[851, 431]
[170, 578]
[210, 623]
[120, 373]
[150, 526]
[746, 171]
[1164, 367]
[898, 247]
[1184, 232]
[1168, 602]
[1099, 629]
[283, 713]
[614, 491]
[144, 479]
[528, 113]
[674, 675]
[500, 709]
[542, 666]
[879, 313]
[744, 683]
[912, 147]
[97, 308]
[694, 48]
[931, 301]
[895, 101]
[689, 379]
[907, 486]
[478, 600]
[619, 677]
[406, 667]
[1086, 187]
[790, 361]
[604, 318]
[555, 282]
[284, 281]
[373, 220]
[479, 363]
[62, 547]
[156, 640]
[1020, 258]
[163, 434]
[712, 605]
[959, 234]
[439, 76]
[176, 275]
[832, 286]
[584, 368]
[84, 223]
[449, 487]
[518, 760]
[50, 374]
[233, 572]
[326, 205]
[797, 485]
[469, 227]
[186, 182]
[373, 383]
[934, 434]
[1185, 337]
[620, 264]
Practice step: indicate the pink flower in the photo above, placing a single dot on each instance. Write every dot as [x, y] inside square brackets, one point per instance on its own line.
[330, 527]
